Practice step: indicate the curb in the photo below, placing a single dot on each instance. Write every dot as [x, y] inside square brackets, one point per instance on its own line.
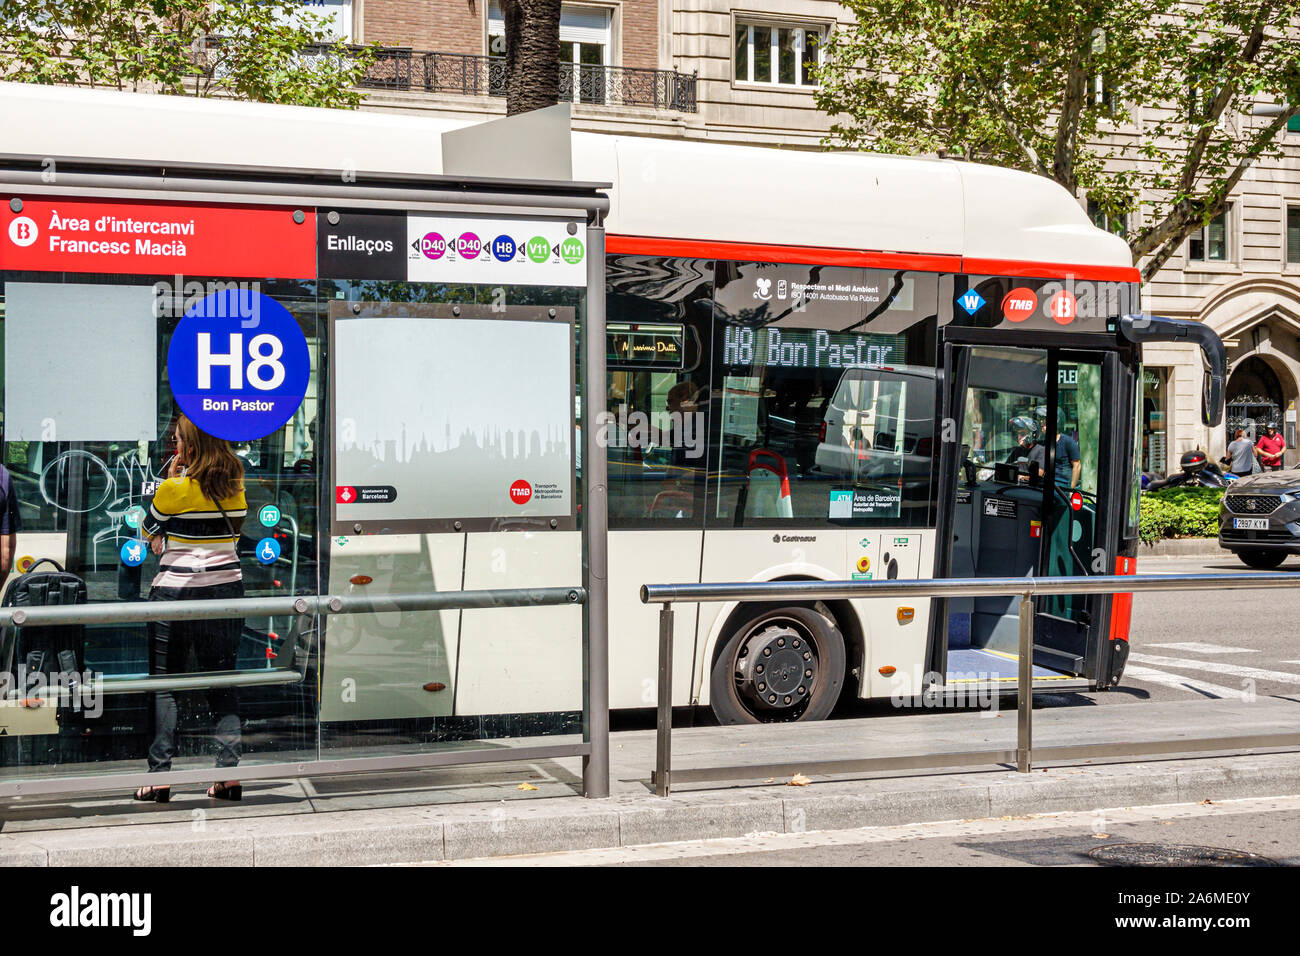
[466, 832]
[1183, 547]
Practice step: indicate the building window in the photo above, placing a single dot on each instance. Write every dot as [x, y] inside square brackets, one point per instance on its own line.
[1101, 88]
[584, 34]
[1103, 220]
[1154, 406]
[585, 42]
[1210, 242]
[1293, 235]
[337, 15]
[778, 55]
[1293, 124]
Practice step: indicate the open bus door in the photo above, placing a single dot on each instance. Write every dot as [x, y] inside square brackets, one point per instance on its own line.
[1041, 481]
[1035, 484]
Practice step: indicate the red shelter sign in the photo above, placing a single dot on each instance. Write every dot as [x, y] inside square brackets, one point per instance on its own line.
[147, 238]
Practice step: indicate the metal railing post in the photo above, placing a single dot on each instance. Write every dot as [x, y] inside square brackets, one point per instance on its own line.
[1025, 686]
[664, 738]
[595, 522]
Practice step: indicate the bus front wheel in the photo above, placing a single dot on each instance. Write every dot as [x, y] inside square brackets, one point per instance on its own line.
[778, 664]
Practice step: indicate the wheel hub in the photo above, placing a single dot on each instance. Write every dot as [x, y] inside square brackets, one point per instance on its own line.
[777, 668]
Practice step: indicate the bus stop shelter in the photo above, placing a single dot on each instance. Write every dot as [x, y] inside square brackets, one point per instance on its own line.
[399, 359]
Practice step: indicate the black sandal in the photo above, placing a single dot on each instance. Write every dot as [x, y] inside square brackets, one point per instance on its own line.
[219, 791]
[155, 794]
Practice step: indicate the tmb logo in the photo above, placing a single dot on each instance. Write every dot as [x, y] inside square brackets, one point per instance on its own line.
[1019, 304]
[521, 492]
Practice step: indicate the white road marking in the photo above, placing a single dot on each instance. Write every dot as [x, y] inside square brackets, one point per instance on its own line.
[1150, 675]
[760, 842]
[1196, 647]
[1218, 667]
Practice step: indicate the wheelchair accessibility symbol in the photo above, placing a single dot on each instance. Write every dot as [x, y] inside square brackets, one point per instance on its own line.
[268, 551]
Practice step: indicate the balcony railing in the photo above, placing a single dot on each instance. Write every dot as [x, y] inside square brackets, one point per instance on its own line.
[468, 75]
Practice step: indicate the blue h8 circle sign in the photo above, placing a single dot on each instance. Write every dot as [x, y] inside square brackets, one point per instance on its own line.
[238, 364]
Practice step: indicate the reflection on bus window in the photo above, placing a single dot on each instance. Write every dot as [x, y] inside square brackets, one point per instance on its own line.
[815, 430]
[657, 390]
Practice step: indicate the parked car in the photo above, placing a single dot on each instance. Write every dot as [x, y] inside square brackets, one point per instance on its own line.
[1259, 520]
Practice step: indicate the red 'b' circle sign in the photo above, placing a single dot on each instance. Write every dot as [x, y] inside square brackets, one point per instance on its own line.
[1064, 307]
[520, 492]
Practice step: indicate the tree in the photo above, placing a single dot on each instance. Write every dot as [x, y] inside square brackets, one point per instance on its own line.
[1144, 106]
[269, 52]
[532, 54]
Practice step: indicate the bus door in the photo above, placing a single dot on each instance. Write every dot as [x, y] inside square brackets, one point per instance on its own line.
[1027, 487]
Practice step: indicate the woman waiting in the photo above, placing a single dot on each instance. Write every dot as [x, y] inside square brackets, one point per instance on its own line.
[193, 523]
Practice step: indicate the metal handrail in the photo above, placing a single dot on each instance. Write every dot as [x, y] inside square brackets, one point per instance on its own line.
[316, 605]
[955, 587]
[1025, 588]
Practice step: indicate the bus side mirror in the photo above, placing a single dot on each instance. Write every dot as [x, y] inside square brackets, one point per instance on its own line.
[1141, 329]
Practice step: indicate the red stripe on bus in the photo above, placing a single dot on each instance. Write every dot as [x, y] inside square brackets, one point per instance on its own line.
[828, 256]
[1121, 608]
[755, 252]
[1049, 270]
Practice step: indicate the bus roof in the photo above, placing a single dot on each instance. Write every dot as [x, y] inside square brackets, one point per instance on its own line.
[679, 197]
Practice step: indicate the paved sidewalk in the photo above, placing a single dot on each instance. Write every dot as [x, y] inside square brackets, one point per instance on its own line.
[474, 812]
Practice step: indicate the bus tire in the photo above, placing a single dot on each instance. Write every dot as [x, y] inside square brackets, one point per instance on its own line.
[777, 664]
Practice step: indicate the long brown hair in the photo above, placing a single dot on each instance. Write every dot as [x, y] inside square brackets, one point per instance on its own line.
[210, 462]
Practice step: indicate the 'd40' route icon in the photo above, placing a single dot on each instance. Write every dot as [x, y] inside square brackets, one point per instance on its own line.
[238, 365]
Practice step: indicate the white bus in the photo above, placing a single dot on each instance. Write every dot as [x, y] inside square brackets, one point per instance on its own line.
[820, 366]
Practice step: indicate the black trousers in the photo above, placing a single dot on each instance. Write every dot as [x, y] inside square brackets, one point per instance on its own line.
[216, 646]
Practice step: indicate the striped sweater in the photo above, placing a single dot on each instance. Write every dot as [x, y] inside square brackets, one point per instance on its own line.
[200, 547]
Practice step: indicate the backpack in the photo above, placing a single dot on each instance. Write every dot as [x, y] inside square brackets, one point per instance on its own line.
[51, 649]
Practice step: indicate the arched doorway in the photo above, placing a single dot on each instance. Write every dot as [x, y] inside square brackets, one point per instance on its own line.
[1254, 398]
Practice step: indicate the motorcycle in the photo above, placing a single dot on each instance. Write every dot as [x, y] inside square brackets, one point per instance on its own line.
[1197, 471]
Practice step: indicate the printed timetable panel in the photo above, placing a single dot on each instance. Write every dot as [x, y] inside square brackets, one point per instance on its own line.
[468, 450]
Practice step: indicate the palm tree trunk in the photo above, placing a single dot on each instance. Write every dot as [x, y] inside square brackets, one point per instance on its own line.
[532, 54]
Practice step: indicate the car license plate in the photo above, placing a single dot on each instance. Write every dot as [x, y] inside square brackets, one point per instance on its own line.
[1250, 524]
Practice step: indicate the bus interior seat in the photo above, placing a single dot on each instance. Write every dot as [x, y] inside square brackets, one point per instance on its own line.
[768, 486]
[672, 504]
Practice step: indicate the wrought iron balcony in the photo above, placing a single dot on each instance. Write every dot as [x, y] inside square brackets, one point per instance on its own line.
[468, 75]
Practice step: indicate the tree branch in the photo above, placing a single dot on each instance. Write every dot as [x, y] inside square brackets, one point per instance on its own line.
[1012, 129]
[1200, 142]
[1173, 229]
[1067, 124]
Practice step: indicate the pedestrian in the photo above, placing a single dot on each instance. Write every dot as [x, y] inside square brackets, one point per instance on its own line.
[193, 524]
[1241, 454]
[1271, 446]
[10, 524]
[1069, 465]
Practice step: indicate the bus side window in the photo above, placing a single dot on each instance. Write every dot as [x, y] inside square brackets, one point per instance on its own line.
[657, 390]
[803, 445]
